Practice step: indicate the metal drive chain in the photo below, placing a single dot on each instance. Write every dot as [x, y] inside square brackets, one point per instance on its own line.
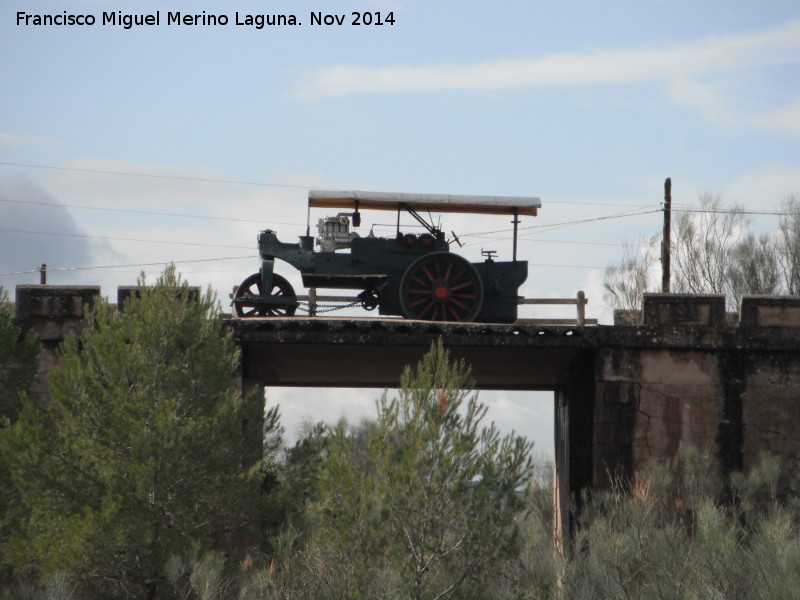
[325, 308]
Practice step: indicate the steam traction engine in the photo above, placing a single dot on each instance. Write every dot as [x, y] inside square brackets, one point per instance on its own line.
[415, 276]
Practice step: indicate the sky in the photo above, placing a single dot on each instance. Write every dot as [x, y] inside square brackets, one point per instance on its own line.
[122, 150]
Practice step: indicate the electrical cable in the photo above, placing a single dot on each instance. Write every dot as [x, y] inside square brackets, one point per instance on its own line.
[539, 228]
[772, 213]
[106, 267]
[122, 239]
[154, 176]
[563, 224]
[143, 212]
[254, 183]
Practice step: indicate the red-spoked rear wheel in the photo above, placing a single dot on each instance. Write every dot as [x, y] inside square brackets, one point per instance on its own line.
[441, 287]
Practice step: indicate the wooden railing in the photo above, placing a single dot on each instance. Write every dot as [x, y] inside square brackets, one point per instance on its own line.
[580, 301]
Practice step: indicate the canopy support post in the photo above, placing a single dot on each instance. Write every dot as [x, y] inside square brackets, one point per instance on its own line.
[398, 219]
[516, 222]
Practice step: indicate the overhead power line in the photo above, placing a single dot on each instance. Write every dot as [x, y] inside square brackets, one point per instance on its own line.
[142, 212]
[235, 219]
[228, 258]
[155, 176]
[562, 224]
[305, 186]
[128, 266]
[772, 213]
[567, 266]
[122, 239]
[540, 241]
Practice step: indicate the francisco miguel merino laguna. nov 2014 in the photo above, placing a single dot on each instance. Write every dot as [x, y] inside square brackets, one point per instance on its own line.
[258, 21]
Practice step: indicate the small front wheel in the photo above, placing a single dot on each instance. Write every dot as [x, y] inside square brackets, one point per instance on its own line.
[441, 287]
[281, 290]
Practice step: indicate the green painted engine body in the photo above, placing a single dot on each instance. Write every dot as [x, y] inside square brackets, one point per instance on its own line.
[376, 265]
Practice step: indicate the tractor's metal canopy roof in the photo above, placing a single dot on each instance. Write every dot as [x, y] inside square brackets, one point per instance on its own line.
[442, 203]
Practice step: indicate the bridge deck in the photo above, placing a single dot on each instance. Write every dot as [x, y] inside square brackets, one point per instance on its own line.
[359, 352]
[369, 352]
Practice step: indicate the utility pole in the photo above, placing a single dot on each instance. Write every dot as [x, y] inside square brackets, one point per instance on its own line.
[665, 239]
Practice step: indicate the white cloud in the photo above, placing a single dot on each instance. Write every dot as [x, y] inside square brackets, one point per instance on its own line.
[594, 288]
[709, 99]
[328, 405]
[15, 141]
[219, 251]
[37, 228]
[716, 102]
[778, 45]
[526, 413]
[784, 120]
[764, 188]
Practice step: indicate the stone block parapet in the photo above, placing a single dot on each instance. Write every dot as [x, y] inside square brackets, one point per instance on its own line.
[769, 311]
[684, 309]
[54, 311]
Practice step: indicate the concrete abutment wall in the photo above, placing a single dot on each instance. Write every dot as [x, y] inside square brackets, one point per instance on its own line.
[686, 376]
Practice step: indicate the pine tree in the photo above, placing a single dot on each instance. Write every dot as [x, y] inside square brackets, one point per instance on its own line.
[145, 451]
[423, 503]
[19, 360]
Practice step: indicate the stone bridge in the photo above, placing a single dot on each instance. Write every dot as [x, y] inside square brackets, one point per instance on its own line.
[682, 372]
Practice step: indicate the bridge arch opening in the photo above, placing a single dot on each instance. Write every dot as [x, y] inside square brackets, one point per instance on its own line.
[528, 413]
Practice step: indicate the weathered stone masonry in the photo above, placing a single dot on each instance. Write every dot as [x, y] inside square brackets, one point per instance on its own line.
[686, 376]
[683, 373]
[52, 312]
